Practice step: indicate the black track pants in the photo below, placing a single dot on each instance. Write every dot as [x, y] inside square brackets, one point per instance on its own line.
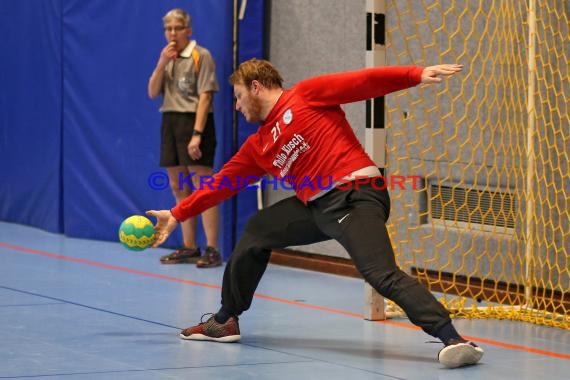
[356, 218]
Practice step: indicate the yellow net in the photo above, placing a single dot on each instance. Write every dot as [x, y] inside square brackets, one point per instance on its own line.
[490, 224]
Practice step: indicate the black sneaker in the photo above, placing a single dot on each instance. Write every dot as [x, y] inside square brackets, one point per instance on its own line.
[212, 258]
[459, 353]
[182, 256]
[214, 331]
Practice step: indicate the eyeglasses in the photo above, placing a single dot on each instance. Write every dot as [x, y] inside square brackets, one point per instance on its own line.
[177, 28]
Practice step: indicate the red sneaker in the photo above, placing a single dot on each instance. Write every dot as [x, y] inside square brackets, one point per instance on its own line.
[214, 331]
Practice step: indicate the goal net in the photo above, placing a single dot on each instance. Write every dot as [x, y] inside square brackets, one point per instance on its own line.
[489, 226]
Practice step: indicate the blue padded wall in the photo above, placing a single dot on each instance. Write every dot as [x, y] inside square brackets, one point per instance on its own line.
[30, 113]
[79, 137]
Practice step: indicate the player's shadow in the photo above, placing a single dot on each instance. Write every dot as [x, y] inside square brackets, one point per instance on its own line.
[375, 350]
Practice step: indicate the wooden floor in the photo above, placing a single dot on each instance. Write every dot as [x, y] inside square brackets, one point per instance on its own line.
[81, 309]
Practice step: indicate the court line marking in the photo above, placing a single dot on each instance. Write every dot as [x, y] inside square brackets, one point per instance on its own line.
[269, 298]
[305, 358]
[67, 302]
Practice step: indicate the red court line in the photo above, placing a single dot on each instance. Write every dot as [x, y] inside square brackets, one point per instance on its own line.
[269, 298]
[106, 266]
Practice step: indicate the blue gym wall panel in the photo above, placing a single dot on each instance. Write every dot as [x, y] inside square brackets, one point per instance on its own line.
[79, 137]
[30, 113]
[111, 127]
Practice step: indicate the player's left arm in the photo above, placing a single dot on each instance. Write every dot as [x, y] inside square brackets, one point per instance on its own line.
[433, 74]
[353, 86]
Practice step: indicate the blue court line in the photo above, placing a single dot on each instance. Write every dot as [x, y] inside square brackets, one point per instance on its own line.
[152, 369]
[63, 301]
[266, 297]
[30, 304]
[325, 361]
[87, 306]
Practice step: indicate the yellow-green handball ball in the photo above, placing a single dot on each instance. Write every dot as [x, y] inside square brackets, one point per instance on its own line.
[136, 233]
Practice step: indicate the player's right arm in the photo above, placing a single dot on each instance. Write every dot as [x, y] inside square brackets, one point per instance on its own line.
[239, 172]
[167, 54]
[165, 224]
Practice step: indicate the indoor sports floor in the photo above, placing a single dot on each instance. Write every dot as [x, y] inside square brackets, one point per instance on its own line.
[82, 309]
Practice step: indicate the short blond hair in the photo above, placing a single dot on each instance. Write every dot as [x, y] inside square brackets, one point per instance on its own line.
[178, 14]
[257, 69]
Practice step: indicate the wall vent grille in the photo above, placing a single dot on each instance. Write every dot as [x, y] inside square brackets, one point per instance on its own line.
[491, 208]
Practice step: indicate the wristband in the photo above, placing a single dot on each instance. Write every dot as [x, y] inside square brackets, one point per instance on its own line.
[196, 133]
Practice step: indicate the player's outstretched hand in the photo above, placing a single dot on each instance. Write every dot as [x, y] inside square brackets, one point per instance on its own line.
[431, 74]
[165, 224]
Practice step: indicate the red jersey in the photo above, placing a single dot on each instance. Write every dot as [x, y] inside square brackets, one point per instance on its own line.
[305, 140]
